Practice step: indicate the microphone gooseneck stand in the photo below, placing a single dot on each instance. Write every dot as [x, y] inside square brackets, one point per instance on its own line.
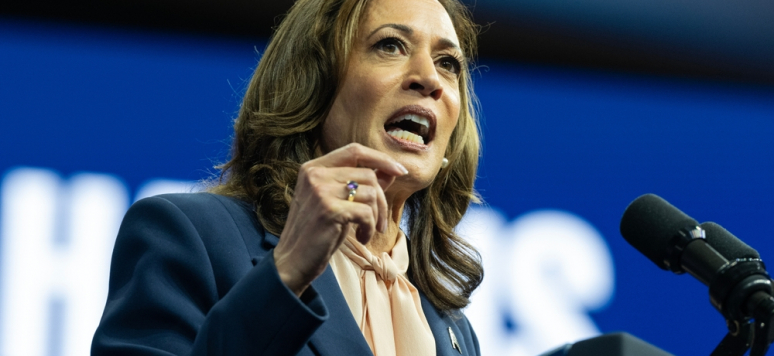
[742, 292]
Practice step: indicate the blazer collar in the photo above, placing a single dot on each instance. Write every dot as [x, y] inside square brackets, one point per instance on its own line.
[440, 324]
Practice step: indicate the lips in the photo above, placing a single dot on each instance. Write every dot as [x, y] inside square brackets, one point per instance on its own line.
[413, 123]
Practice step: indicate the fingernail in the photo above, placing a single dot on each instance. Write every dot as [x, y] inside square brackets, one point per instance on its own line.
[401, 168]
[384, 226]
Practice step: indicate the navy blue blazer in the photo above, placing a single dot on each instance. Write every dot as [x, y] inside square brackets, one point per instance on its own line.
[193, 274]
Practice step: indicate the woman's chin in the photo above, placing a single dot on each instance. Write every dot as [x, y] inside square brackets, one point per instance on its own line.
[419, 177]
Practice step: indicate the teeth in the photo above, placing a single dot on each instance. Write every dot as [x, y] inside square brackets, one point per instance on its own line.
[418, 119]
[405, 135]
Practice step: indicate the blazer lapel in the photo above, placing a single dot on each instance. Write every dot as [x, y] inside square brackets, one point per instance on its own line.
[439, 324]
[339, 335]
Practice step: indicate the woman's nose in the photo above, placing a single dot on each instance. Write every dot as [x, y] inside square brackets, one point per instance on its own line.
[423, 77]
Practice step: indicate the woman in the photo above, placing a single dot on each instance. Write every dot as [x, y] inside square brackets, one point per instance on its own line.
[358, 110]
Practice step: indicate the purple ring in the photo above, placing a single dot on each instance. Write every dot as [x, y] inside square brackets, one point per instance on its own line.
[352, 186]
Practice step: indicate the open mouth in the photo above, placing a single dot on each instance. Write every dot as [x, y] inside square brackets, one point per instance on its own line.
[410, 127]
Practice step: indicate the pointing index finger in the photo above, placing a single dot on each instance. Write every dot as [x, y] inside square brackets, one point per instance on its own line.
[356, 155]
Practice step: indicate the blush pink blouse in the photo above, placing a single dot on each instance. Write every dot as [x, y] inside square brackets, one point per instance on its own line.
[386, 306]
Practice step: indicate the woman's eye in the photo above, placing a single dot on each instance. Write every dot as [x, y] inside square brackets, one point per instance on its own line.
[450, 64]
[390, 45]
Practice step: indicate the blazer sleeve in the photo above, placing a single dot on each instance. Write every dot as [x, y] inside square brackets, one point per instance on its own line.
[163, 298]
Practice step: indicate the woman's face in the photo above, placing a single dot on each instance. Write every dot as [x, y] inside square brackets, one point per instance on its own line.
[400, 93]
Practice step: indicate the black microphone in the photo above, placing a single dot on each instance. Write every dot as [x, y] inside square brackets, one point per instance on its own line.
[726, 243]
[674, 241]
[670, 238]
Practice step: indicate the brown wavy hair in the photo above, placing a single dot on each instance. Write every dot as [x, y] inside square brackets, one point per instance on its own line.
[279, 124]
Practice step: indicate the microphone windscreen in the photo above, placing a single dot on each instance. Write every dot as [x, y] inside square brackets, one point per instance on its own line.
[726, 243]
[649, 224]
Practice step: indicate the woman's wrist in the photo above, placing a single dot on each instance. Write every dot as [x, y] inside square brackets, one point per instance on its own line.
[291, 278]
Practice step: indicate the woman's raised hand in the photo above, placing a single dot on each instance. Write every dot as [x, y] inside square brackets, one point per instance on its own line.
[320, 214]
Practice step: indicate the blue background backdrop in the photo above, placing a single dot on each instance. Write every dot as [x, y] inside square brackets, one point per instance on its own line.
[142, 105]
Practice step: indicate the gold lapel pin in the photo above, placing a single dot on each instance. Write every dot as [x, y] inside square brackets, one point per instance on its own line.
[455, 344]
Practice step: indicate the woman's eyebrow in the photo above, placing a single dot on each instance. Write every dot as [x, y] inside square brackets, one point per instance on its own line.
[444, 42]
[402, 28]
